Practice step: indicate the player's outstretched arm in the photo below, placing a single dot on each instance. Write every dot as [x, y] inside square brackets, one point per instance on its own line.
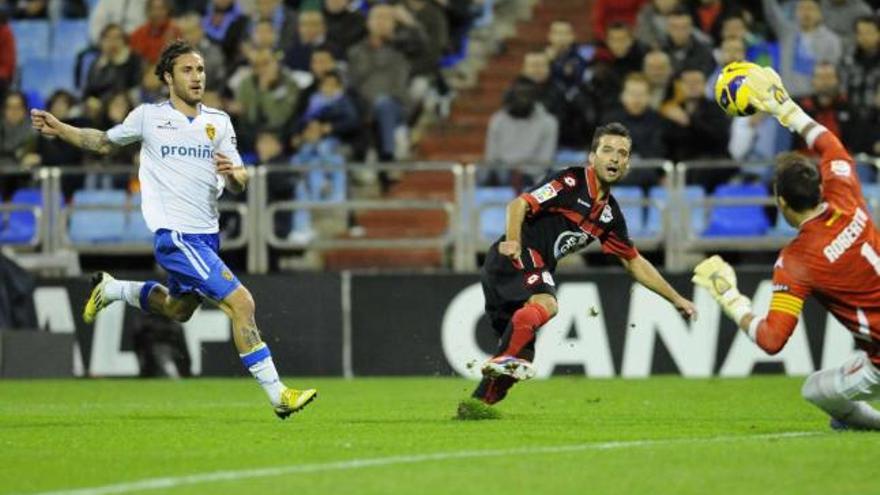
[770, 333]
[88, 139]
[646, 274]
[717, 276]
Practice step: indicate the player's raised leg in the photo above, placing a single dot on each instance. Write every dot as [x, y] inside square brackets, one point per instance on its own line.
[516, 349]
[255, 355]
[149, 296]
[842, 391]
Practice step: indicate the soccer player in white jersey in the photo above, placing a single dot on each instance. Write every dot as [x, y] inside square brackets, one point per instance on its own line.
[188, 156]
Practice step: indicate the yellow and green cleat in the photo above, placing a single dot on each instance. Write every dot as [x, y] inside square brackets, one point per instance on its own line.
[293, 400]
[96, 301]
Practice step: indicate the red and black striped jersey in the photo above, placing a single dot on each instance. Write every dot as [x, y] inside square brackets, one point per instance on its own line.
[833, 258]
[565, 215]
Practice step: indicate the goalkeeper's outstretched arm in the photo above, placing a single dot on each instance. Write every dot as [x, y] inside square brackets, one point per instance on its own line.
[770, 333]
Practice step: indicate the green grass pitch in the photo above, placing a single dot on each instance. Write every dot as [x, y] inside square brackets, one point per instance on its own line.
[389, 436]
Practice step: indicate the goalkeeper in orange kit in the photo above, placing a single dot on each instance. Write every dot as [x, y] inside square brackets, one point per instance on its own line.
[834, 258]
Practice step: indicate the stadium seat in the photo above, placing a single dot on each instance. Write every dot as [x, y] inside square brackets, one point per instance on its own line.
[45, 75]
[136, 230]
[629, 199]
[871, 192]
[98, 226]
[492, 218]
[21, 226]
[31, 40]
[738, 220]
[782, 228]
[658, 196]
[69, 37]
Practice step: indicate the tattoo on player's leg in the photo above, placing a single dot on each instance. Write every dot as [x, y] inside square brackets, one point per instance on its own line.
[251, 336]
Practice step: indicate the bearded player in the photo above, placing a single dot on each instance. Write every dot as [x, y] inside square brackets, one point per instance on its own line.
[188, 156]
[834, 258]
[558, 217]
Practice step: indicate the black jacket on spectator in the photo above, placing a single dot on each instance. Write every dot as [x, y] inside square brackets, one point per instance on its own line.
[568, 68]
[647, 131]
[867, 139]
[57, 152]
[861, 72]
[299, 56]
[840, 118]
[608, 73]
[695, 54]
[345, 29]
[648, 142]
[706, 137]
[106, 77]
[580, 117]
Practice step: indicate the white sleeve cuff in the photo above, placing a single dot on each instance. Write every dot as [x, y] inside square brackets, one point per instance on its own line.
[814, 134]
[752, 332]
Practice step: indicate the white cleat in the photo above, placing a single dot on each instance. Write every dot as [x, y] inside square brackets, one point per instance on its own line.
[514, 367]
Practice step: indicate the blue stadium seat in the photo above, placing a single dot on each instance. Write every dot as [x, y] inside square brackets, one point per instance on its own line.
[782, 228]
[45, 75]
[629, 197]
[31, 40]
[136, 229]
[493, 218]
[658, 196]
[871, 192]
[98, 226]
[21, 226]
[69, 37]
[745, 220]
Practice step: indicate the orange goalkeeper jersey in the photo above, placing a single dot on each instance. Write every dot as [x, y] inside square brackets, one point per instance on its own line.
[835, 258]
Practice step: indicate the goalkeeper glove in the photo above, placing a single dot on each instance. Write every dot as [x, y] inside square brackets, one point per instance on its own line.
[717, 276]
[768, 94]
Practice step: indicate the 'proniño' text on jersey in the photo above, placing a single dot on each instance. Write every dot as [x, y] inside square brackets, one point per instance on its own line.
[179, 181]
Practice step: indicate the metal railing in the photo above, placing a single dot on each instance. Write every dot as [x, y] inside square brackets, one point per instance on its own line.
[449, 241]
[460, 240]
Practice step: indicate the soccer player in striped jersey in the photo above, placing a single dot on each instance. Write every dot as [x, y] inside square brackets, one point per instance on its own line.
[834, 258]
[188, 156]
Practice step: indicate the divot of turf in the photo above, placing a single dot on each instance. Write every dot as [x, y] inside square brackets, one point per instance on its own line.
[475, 410]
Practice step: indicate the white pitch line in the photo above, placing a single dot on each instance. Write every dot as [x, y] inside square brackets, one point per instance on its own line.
[195, 479]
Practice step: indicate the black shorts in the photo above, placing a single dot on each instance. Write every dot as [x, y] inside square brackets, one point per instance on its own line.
[507, 287]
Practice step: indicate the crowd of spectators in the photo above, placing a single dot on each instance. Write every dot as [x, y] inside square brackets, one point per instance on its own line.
[348, 77]
[653, 66]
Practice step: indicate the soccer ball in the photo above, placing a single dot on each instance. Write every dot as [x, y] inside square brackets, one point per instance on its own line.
[730, 93]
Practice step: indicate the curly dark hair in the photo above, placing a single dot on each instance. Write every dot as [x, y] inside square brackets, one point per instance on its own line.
[169, 55]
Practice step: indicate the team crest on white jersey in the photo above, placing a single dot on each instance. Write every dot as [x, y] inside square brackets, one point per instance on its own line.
[211, 131]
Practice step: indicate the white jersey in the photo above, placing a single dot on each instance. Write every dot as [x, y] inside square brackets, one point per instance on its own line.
[179, 180]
